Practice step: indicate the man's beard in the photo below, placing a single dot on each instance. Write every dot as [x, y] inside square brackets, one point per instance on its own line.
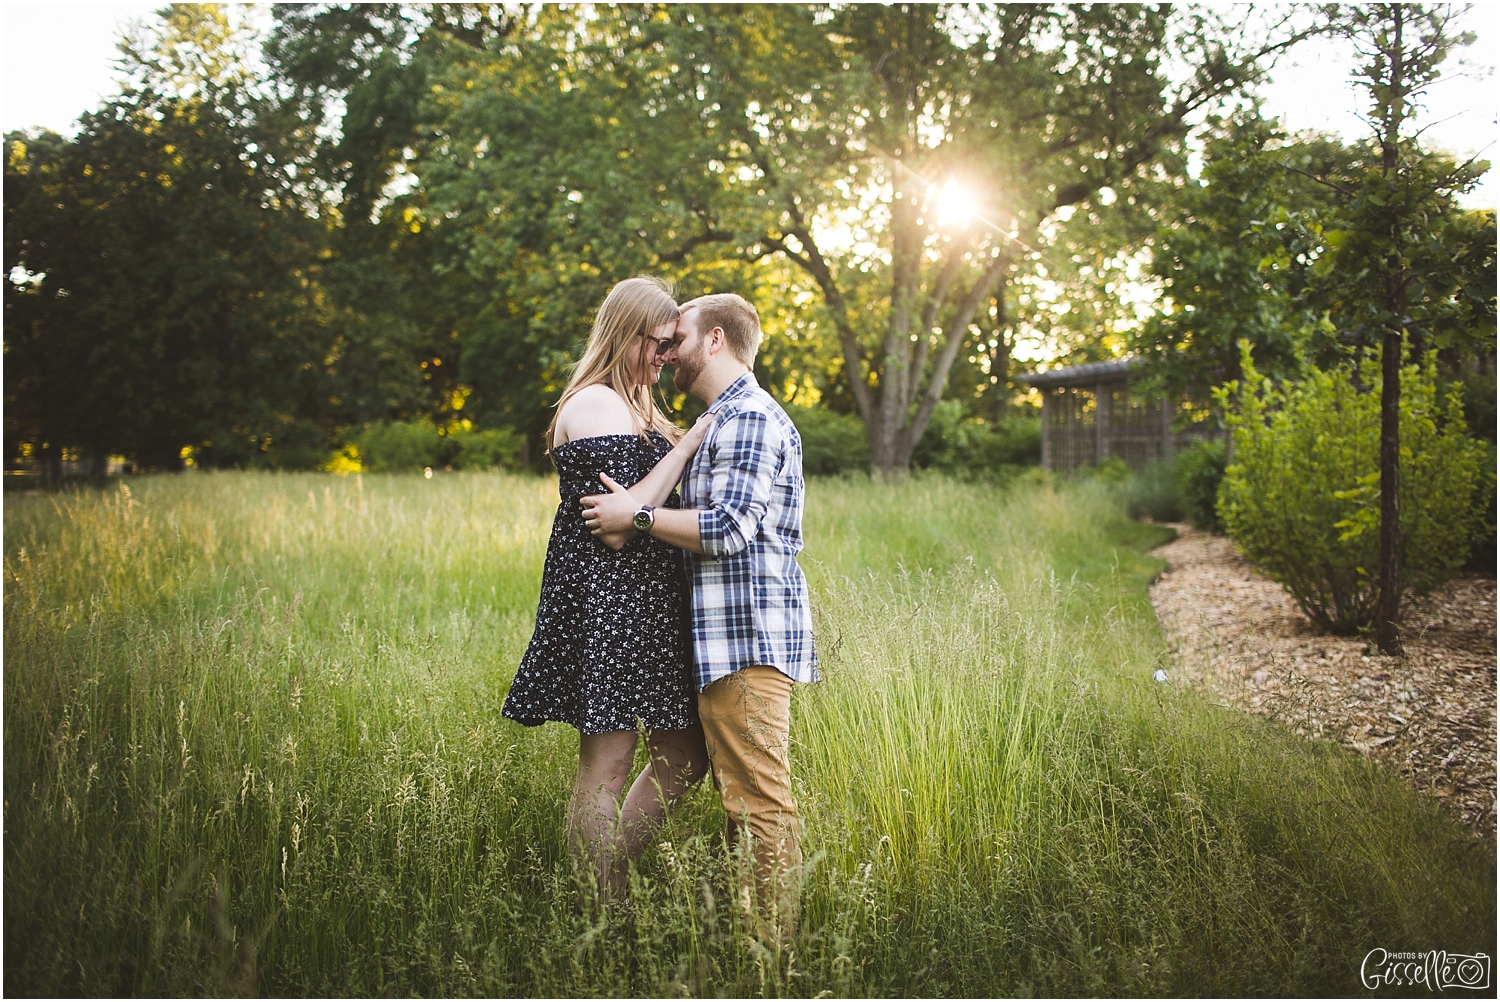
[687, 369]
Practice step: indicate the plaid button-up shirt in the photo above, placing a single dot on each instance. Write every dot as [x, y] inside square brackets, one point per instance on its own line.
[749, 597]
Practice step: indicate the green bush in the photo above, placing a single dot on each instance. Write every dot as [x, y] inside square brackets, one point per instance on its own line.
[1199, 470]
[958, 444]
[486, 450]
[953, 443]
[408, 446]
[1478, 390]
[1482, 550]
[402, 446]
[1302, 496]
[831, 443]
[1479, 411]
[1113, 470]
[1151, 492]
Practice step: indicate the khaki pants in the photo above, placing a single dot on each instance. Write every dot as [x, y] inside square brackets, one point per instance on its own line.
[746, 721]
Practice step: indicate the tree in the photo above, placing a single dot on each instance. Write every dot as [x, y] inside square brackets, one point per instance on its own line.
[570, 158]
[1391, 273]
[1235, 258]
[359, 74]
[161, 296]
[916, 164]
[959, 139]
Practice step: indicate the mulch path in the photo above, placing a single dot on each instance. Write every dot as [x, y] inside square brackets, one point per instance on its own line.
[1429, 714]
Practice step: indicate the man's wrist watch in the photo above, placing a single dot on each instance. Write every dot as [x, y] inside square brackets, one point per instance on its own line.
[645, 518]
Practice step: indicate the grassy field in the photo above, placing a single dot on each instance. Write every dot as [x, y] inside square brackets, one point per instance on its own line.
[253, 745]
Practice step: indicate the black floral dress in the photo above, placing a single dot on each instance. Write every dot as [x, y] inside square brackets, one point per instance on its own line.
[611, 646]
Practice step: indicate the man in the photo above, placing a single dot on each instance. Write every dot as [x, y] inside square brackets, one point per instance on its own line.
[741, 525]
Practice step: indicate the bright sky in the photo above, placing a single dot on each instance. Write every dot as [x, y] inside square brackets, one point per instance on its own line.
[58, 63]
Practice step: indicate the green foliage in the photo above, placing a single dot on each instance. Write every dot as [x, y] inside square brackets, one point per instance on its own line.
[397, 316]
[1482, 552]
[1480, 396]
[1446, 276]
[488, 449]
[761, 120]
[253, 746]
[1403, 259]
[402, 446]
[1113, 470]
[415, 212]
[1281, 242]
[166, 251]
[831, 443]
[959, 444]
[1186, 486]
[571, 158]
[409, 446]
[1198, 472]
[1234, 261]
[1152, 492]
[954, 444]
[1301, 498]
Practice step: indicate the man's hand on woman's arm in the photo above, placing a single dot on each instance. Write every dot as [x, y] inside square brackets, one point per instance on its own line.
[742, 476]
[610, 515]
[654, 488]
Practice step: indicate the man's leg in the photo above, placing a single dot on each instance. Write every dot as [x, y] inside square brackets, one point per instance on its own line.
[746, 721]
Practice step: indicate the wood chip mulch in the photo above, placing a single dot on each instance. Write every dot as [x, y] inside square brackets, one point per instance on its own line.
[1429, 714]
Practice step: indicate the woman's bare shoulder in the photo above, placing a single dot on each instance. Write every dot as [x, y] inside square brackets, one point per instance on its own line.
[595, 409]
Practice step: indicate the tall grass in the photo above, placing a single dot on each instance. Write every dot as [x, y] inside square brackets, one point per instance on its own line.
[253, 744]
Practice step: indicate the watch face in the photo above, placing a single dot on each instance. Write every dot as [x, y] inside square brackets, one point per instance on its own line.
[642, 521]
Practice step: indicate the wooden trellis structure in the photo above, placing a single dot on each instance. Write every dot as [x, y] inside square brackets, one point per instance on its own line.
[1090, 413]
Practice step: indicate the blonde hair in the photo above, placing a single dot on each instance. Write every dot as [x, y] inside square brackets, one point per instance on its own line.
[632, 310]
[735, 316]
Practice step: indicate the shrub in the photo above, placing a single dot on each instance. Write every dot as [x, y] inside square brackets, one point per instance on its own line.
[1479, 411]
[487, 449]
[401, 446]
[1015, 440]
[1478, 390]
[1302, 495]
[1113, 470]
[1482, 550]
[831, 443]
[1151, 492]
[1199, 470]
[408, 446]
[963, 445]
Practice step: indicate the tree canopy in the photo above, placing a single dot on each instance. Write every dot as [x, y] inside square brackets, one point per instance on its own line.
[409, 212]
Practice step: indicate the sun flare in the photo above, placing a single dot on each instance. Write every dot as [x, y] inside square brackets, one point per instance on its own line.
[954, 204]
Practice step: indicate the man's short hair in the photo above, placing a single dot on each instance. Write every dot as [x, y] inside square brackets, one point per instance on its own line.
[736, 316]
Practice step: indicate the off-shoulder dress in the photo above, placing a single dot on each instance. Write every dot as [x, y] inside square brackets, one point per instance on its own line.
[611, 649]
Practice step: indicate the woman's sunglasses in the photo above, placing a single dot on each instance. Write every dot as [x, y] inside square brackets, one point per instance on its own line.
[663, 344]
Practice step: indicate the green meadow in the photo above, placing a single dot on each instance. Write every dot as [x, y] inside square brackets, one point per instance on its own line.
[253, 746]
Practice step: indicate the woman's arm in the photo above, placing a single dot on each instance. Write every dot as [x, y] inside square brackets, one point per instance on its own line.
[655, 486]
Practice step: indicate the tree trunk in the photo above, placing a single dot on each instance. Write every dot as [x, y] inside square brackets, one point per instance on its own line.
[919, 354]
[1388, 605]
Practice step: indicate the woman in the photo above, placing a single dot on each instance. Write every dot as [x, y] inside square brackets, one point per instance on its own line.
[611, 652]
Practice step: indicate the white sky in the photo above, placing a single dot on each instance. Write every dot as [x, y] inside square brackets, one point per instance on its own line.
[58, 63]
